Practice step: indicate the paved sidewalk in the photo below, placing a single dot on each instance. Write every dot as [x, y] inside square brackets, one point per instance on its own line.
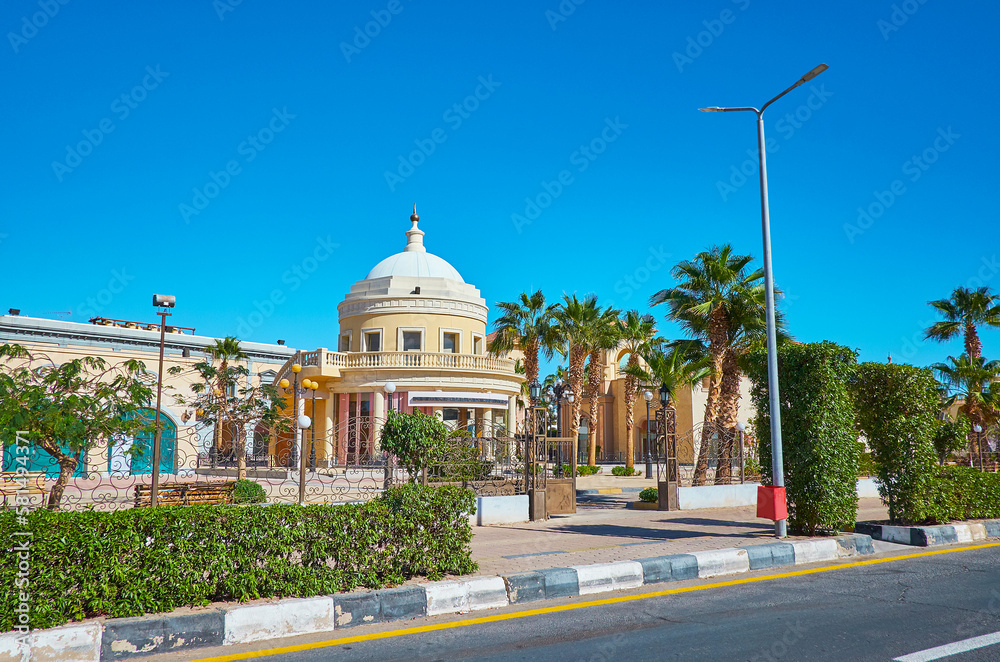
[603, 530]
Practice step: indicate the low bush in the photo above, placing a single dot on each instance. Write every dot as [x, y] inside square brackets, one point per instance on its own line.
[247, 491]
[624, 471]
[148, 560]
[586, 470]
[961, 493]
[650, 495]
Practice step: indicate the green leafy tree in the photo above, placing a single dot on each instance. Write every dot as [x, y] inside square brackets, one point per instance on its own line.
[951, 436]
[415, 439]
[964, 313]
[227, 395]
[821, 453]
[68, 409]
[897, 407]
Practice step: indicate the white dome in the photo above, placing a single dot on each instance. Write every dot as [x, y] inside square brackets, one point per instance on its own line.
[414, 261]
[414, 264]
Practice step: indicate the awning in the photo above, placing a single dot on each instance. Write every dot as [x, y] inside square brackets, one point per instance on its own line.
[457, 399]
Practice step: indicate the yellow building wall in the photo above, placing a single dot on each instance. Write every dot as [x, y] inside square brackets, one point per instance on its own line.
[390, 323]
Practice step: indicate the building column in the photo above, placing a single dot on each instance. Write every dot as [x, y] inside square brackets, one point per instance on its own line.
[379, 418]
[512, 416]
[329, 430]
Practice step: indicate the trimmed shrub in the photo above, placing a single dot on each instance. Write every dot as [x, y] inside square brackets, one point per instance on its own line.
[818, 432]
[586, 470]
[951, 436]
[148, 560]
[624, 471]
[247, 491]
[413, 438]
[897, 407]
[650, 495]
[961, 493]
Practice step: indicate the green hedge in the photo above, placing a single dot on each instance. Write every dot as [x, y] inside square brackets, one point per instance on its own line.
[820, 446]
[649, 495]
[897, 407]
[147, 560]
[248, 491]
[961, 493]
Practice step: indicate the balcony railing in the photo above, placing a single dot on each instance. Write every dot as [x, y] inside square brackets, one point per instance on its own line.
[399, 360]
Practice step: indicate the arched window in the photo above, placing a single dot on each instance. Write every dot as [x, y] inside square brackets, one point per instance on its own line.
[133, 456]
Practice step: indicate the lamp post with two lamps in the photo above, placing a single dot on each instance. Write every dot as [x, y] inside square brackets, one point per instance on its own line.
[161, 301]
[562, 391]
[978, 429]
[648, 397]
[777, 462]
[390, 388]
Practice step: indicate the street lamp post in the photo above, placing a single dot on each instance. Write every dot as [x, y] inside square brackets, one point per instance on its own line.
[161, 301]
[312, 386]
[979, 445]
[777, 462]
[534, 389]
[390, 388]
[648, 397]
[563, 392]
[739, 438]
[302, 422]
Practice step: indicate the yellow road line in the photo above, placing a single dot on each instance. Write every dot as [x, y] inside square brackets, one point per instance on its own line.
[494, 618]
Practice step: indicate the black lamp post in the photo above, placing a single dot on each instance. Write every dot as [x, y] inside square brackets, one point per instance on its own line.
[648, 396]
[161, 301]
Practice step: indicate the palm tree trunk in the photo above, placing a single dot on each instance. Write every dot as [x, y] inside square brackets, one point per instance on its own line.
[531, 361]
[631, 384]
[973, 346]
[241, 452]
[729, 404]
[577, 355]
[594, 381]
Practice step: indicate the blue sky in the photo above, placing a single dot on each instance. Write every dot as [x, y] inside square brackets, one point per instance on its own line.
[247, 157]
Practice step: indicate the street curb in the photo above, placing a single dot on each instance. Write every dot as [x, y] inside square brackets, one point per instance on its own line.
[930, 536]
[125, 638]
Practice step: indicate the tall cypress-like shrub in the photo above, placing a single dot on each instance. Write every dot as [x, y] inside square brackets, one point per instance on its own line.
[897, 408]
[820, 446]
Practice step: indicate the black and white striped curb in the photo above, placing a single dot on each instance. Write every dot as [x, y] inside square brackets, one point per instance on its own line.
[124, 638]
[928, 536]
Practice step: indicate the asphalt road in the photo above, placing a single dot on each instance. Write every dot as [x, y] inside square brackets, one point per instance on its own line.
[874, 612]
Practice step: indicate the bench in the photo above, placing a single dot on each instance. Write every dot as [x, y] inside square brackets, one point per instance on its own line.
[28, 482]
[187, 494]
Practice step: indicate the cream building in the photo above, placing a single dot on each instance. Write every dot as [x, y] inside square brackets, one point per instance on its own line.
[412, 337]
[187, 443]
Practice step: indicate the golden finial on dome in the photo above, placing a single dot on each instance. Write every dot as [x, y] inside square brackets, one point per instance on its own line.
[414, 218]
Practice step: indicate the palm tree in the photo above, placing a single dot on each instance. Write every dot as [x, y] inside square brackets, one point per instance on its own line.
[972, 380]
[964, 312]
[225, 350]
[526, 323]
[673, 366]
[636, 335]
[575, 321]
[603, 336]
[700, 302]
